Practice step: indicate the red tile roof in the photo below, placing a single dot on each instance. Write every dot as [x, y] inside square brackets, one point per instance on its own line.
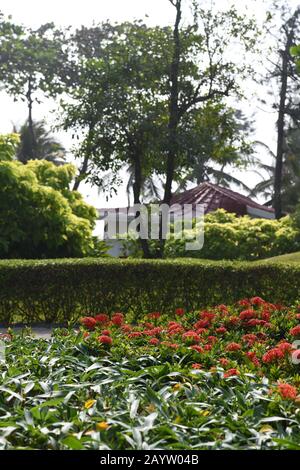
[214, 197]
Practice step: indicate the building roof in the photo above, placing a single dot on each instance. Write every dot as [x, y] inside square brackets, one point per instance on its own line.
[214, 197]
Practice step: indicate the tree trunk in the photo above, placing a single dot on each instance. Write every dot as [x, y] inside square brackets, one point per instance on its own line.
[137, 189]
[87, 155]
[173, 107]
[290, 30]
[173, 118]
[32, 147]
[82, 172]
[280, 138]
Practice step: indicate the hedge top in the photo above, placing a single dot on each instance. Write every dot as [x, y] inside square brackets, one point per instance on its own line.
[64, 289]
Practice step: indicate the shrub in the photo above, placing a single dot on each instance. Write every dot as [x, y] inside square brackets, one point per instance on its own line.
[8, 146]
[230, 237]
[39, 216]
[60, 290]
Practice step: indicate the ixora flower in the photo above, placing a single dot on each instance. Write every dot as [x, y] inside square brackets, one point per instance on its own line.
[102, 426]
[295, 331]
[257, 301]
[179, 312]
[231, 373]
[154, 341]
[103, 339]
[273, 355]
[154, 315]
[253, 358]
[285, 347]
[102, 318]
[249, 339]
[247, 314]
[287, 392]
[89, 403]
[221, 330]
[197, 348]
[88, 322]
[233, 347]
[191, 336]
[222, 308]
[117, 319]
[135, 334]
[233, 320]
[170, 345]
[244, 303]
[224, 361]
[126, 328]
[196, 366]
[106, 333]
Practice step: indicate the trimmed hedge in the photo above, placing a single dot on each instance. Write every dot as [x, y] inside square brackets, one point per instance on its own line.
[61, 290]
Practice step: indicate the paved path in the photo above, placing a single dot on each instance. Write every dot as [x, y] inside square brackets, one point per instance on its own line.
[38, 331]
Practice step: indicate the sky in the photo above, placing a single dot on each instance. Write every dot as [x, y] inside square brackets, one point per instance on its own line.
[76, 13]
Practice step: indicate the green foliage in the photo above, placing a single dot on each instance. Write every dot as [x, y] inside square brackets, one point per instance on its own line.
[288, 258]
[156, 384]
[31, 60]
[8, 146]
[46, 146]
[40, 216]
[122, 95]
[242, 238]
[63, 289]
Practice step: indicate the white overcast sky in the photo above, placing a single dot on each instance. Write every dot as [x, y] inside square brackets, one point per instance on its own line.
[78, 12]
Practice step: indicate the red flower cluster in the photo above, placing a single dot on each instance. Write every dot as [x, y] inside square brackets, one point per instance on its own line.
[105, 339]
[238, 339]
[102, 318]
[295, 331]
[287, 392]
[154, 315]
[230, 373]
[272, 356]
[89, 322]
[179, 312]
[233, 347]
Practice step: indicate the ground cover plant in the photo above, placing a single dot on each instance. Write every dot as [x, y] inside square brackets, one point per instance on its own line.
[222, 378]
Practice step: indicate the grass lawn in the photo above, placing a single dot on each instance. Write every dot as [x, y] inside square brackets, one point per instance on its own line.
[288, 258]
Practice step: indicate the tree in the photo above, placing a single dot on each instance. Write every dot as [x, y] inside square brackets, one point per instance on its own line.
[283, 72]
[124, 101]
[32, 62]
[214, 137]
[9, 33]
[290, 181]
[212, 76]
[40, 217]
[119, 108]
[46, 146]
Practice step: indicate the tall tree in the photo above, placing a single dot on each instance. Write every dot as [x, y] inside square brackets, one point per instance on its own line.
[283, 74]
[33, 61]
[138, 107]
[290, 181]
[9, 34]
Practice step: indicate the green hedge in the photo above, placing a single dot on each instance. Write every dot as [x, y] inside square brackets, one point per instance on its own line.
[60, 290]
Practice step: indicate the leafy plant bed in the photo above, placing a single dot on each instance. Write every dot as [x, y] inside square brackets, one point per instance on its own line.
[225, 378]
